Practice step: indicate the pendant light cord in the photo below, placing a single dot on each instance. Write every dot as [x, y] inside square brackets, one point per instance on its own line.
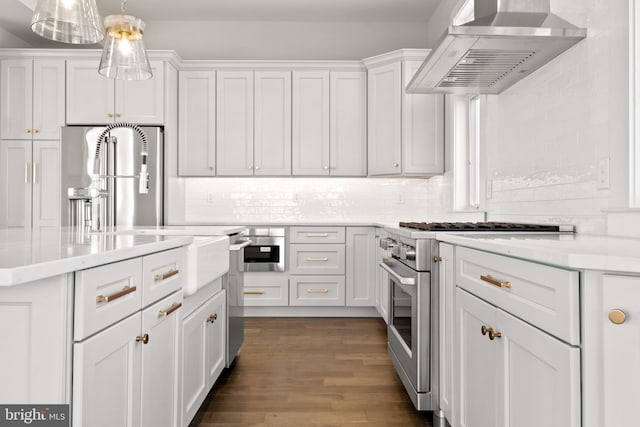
[123, 6]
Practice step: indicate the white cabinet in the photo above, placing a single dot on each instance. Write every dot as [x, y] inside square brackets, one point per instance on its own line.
[203, 358]
[446, 294]
[382, 279]
[361, 267]
[272, 150]
[329, 123]
[33, 99]
[510, 373]
[406, 131]
[93, 99]
[348, 123]
[310, 123]
[197, 126]
[323, 290]
[234, 117]
[35, 326]
[30, 183]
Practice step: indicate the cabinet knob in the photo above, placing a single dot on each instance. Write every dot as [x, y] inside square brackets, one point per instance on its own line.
[109, 115]
[144, 338]
[395, 165]
[210, 168]
[617, 316]
[326, 168]
[118, 115]
[257, 168]
[437, 259]
[35, 131]
[212, 318]
[249, 167]
[27, 131]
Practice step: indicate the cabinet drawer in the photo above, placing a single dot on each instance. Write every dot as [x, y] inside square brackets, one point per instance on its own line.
[544, 296]
[316, 290]
[106, 294]
[317, 234]
[266, 289]
[317, 259]
[162, 274]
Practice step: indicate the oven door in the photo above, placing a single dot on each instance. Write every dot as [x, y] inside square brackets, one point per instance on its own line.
[409, 322]
[264, 254]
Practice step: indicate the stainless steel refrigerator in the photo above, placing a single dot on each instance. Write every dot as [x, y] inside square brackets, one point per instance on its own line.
[119, 162]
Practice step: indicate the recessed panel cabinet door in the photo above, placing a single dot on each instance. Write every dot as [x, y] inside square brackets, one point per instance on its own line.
[234, 129]
[46, 184]
[48, 99]
[311, 123]
[446, 292]
[348, 139]
[90, 96]
[361, 267]
[15, 179]
[385, 119]
[197, 123]
[272, 149]
[141, 101]
[17, 97]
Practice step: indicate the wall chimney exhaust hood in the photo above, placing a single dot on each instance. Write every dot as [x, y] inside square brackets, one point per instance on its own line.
[507, 41]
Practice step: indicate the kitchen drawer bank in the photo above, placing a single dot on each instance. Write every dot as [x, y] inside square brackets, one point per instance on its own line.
[330, 271]
[126, 330]
[534, 313]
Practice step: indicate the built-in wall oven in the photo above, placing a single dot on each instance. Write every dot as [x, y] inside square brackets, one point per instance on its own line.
[266, 251]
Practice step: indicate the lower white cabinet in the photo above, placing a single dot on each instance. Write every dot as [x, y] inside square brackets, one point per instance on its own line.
[204, 333]
[361, 267]
[510, 373]
[446, 293]
[128, 374]
[317, 290]
[382, 280]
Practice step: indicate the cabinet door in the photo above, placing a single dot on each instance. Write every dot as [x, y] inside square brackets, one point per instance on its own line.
[361, 267]
[620, 350]
[539, 377]
[161, 358]
[16, 178]
[234, 117]
[272, 149]
[478, 362]
[348, 139]
[197, 123]
[382, 284]
[106, 377]
[141, 101]
[385, 119]
[48, 99]
[17, 96]
[46, 184]
[422, 129]
[446, 292]
[216, 336]
[310, 123]
[90, 96]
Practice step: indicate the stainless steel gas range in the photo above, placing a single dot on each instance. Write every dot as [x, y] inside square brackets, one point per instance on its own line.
[413, 330]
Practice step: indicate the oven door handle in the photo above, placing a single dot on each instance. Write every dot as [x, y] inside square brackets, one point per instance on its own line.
[239, 246]
[402, 279]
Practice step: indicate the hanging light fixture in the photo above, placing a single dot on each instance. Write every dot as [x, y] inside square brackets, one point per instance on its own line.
[68, 21]
[124, 56]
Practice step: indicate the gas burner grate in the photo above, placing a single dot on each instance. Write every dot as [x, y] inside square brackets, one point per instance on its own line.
[479, 226]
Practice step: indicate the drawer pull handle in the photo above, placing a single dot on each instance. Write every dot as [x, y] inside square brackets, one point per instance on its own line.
[212, 318]
[325, 259]
[617, 316]
[166, 275]
[125, 291]
[318, 291]
[492, 334]
[174, 307]
[144, 338]
[495, 282]
[253, 293]
[317, 234]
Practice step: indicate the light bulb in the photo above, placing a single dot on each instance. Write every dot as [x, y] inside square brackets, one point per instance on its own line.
[69, 4]
[124, 45]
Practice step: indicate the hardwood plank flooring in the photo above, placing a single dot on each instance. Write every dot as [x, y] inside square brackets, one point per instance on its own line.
[311, 372]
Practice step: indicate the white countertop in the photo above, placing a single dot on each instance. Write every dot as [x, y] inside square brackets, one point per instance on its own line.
[27, 255]
[576, 251]
[182, 230]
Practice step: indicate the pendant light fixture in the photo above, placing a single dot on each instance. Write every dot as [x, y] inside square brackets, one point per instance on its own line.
[124, 56]
[68, 21]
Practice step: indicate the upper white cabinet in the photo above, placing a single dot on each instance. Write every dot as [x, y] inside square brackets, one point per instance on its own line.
[197, 123]
[310, 123]
[93, 99]
[406, 131]
[33, 98]
[272, 149]
[234, 131]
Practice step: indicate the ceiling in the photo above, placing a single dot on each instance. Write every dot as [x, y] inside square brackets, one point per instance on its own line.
[259, 29]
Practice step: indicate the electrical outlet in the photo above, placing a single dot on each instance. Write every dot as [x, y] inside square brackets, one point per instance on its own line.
[489, 191]
[400, 198]
[602, 173]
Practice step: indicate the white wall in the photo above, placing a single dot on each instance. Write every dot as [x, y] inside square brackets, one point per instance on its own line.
[8, 40]
[543, 137]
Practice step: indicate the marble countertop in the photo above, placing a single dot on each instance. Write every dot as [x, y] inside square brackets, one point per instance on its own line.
[575, 251]
[27, 255]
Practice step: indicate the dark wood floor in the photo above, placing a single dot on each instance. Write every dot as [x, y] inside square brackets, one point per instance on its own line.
[311, 372]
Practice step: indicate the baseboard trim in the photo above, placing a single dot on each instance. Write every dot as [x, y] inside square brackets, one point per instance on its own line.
[311, 312]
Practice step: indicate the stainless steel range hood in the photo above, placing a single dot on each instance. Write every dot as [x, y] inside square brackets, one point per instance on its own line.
[507, 41]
